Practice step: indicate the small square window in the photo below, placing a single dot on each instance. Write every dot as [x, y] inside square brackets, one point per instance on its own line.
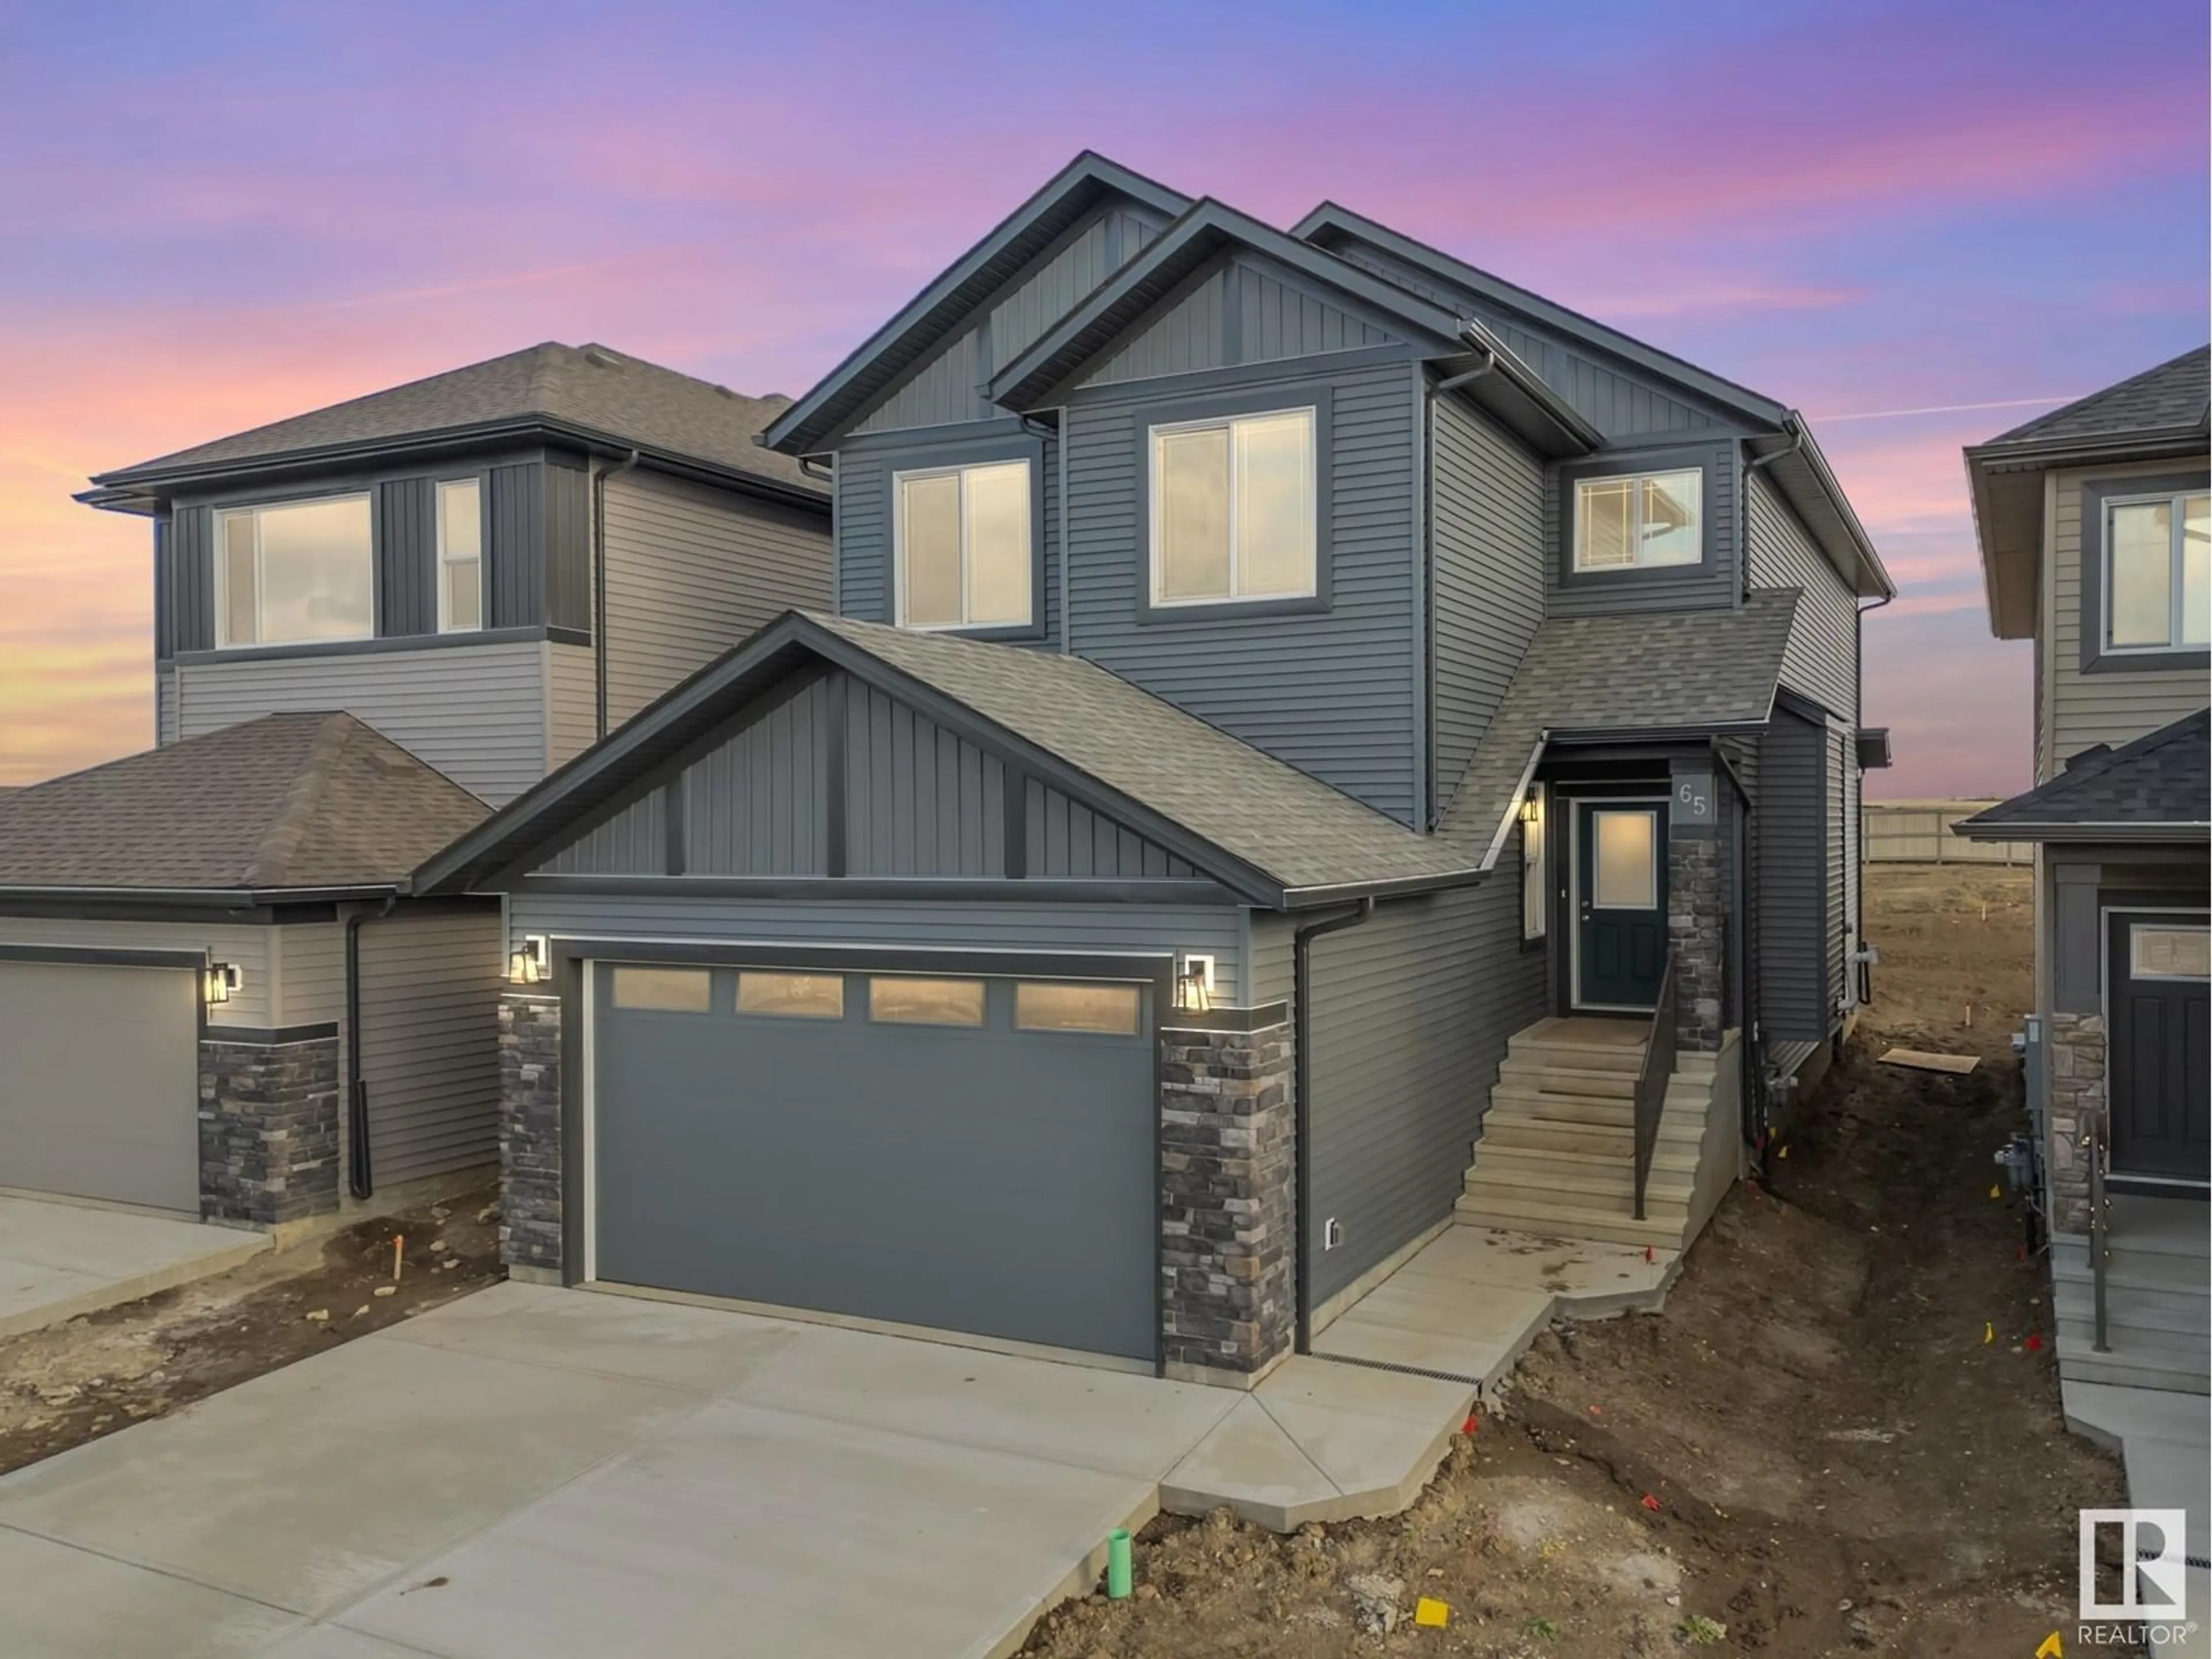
[802, 996]
[1640, 520]
[666, 990]
[1055, 1005]
[926, 1001]
[964, 551]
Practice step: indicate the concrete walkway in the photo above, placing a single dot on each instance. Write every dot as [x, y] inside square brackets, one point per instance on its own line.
[557, 1473]
[59, 1260]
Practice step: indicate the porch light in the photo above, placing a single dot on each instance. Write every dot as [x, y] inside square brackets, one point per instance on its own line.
[1532, 808]
[1194, 986]
[217, 982]
[527, 964]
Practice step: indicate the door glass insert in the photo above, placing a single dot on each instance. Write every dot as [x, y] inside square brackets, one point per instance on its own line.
[1626, 864]
[670, 990]
[2158, 951]
[1051, 1006]
[926, 1001]
[805, 996]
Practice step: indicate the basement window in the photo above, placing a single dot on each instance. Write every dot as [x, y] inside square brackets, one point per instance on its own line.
[1055, 1005]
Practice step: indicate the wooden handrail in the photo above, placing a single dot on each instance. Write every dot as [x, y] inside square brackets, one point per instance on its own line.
[1652, 1080]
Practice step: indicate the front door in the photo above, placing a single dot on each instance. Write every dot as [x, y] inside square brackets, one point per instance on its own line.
[2160, 1074]
[1620, 904]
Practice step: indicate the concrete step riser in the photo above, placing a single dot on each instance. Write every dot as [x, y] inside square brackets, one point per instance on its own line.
[1559, 1080]
[2116, 1371]
[1667, 1163]
[1576, 1138]
[1604, 1228]
[1660, 1203]
[1627, 1060]
[2185, 1311]
[1617, 1180]
[1573, 1108]
[2138, 1345]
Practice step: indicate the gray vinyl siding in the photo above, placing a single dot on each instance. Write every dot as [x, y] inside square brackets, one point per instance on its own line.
[1486, 555]
[1411, 1012]
[475, 712]
[1742, 753]
[406, 557]
[1792, 864]
[246, 947]
[1274, 973]
[187, 554]
[944, 389]
[1620, 402]
[1821, 661]
[571, 703]
[1331, 692]
[165, 706]
[865, 584]
[1837, 878]
[2111, 705]
[568, 557]
[429, 1041]
[919, 800]
[1101, 929]
[310, 973]
[1237, 312]
[692, 571]
[1716, 581]
[514, 583]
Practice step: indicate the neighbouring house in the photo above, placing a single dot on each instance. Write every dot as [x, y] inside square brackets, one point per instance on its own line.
[2095, 523]
[372, 622]
[1293, 709]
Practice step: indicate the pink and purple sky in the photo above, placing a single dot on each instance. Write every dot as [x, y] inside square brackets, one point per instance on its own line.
[1918, 223]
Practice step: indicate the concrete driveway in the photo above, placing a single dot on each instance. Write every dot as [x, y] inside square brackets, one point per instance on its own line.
[551, 1473]
[59, 1259]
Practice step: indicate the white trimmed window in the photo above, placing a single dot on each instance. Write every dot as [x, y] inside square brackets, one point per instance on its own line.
[296, 572]
[1234, 513]
[2158, 573]
[1640, 520]
[963, 546]
[460, 555]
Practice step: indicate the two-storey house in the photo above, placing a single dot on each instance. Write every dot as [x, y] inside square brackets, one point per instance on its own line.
[2096, 525]
[373, 622]
[1293, 707]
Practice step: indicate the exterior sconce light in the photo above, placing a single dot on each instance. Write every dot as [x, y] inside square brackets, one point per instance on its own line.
[217, 982]
[1532, 808]
[1193, 985]
[529, 963]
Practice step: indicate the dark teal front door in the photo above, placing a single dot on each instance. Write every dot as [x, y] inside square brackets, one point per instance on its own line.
[1620, 902]
[2159, 983]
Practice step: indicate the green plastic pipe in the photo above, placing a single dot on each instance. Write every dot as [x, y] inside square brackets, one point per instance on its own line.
[1117, 1564]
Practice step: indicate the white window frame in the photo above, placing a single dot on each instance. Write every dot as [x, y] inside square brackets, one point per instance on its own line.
[2176, 500]
[960, 470]
[1228, 423]
[1635, 539]
[474, 481]
[219, 549]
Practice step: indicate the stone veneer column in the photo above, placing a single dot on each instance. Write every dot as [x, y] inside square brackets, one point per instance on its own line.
[1228, 1220]
[269, 1128]
[529, 1227]
[1697, 911]
[2074, 1047]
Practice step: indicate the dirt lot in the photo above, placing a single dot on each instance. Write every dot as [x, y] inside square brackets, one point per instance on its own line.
[77, 1381]
[1813, 1451]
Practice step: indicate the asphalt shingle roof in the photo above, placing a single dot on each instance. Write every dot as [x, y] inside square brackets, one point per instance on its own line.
[297, 800]
[2164, 777]
[589, 386]
[1684, 670]
[2177, 393]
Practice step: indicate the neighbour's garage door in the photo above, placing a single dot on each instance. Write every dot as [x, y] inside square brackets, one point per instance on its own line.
[98, 1082]
[972, 1154]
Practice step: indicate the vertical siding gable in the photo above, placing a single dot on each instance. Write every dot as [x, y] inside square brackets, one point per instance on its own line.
[1066, 839]
[1487, 557]
[920, 800]
[1237, 311]
[1821, 660]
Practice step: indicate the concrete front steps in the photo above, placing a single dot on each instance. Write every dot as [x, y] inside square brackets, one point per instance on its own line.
[2158, 1308]
[1557, 1154]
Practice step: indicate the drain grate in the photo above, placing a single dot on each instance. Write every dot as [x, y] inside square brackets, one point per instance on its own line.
[1403, 1370]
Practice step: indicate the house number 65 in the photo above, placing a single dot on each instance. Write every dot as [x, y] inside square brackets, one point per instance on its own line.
[1694, 800]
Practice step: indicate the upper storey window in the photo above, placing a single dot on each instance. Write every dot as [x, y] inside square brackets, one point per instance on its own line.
[2158, 573]
[460, 555]
[1233, 509]
[295, 574]
[1641, 520]
[964, 556]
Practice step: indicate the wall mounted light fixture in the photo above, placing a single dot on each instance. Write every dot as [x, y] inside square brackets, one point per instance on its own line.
[1194, 984]
[218, 981]
[530, 963]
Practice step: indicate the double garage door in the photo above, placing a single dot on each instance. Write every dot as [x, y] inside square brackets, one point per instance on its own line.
[98, 1082]
[968, 1152]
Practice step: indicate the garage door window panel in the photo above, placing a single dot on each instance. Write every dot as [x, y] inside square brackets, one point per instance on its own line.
[665, 990]
[903, 1002]
[792, 996]
[1061, 1006]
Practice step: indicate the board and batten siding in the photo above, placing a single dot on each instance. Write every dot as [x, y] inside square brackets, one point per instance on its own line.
[1821, 661]
[692, 571]
[1791, 861]
[862, 925]
[2111, 706]
[865, 587]
[1411, 1011]
[476, 712]
[1487, 557]
[571, 696]
[430, 985]
[1237, 312]
[1331, 692]
[247, 948]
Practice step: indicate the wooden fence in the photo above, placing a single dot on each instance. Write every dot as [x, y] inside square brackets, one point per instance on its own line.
[1919, 832]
